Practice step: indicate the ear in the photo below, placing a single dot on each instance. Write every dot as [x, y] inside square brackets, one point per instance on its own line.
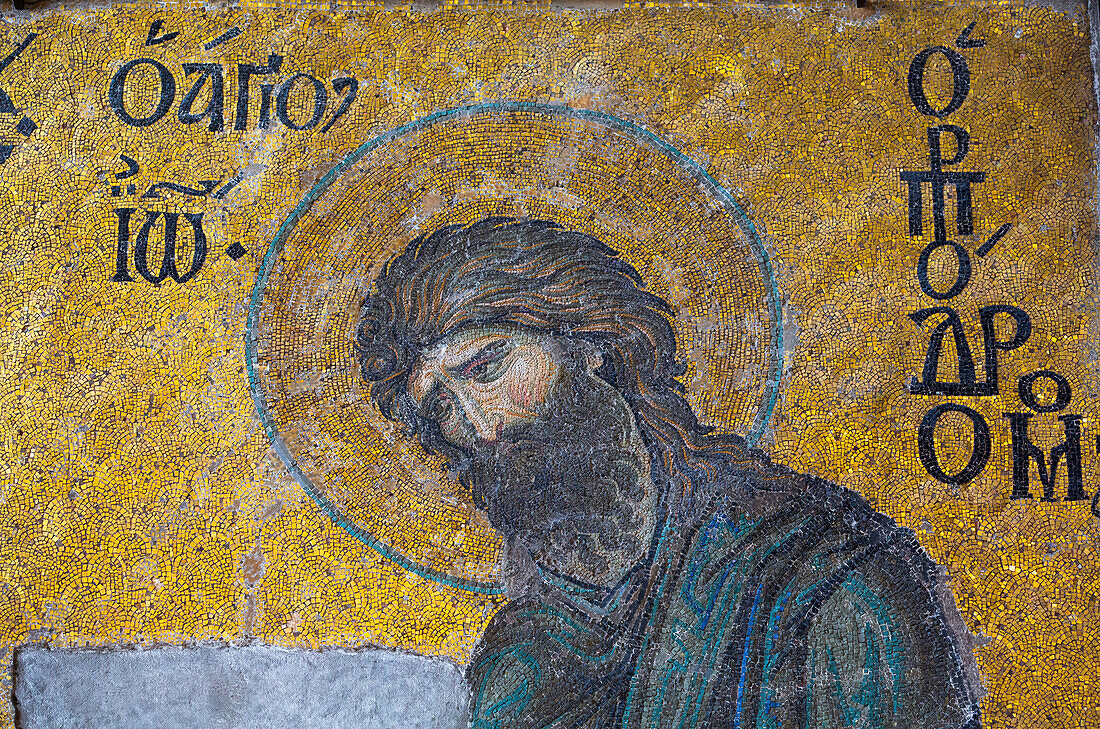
[593, 360]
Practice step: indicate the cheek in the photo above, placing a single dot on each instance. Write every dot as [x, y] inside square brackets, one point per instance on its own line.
[529, 380]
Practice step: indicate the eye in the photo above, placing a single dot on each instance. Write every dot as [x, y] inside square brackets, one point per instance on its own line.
[487, 366]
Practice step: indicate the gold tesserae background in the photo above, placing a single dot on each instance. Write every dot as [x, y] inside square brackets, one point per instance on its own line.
[141, 501]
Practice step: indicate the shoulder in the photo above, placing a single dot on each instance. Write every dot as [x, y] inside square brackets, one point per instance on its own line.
[849, 551]
[542, 663]
[503, 684]
[857, 602]
[518, 623]
[888, 641]
[509, 666]
[771, 493]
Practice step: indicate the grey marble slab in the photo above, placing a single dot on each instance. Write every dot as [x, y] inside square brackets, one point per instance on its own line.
[238, 687]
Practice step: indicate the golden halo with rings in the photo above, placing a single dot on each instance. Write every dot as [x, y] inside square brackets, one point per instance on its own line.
[589, 171]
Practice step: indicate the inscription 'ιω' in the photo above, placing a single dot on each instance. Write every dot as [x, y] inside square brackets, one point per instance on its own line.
[168, 266]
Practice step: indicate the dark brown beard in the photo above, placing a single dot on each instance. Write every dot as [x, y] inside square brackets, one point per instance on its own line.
[571, 480]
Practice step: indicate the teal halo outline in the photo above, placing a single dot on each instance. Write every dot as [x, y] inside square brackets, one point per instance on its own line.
[641, 134]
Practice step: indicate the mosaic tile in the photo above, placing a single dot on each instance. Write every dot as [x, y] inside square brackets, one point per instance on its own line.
[729, 363]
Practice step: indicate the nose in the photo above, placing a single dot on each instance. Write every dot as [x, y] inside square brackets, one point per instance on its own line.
[486, 428]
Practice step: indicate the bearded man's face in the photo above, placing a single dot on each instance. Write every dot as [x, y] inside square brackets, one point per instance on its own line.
[549, 450]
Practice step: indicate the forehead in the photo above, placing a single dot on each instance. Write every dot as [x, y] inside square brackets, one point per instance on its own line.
[456, 349]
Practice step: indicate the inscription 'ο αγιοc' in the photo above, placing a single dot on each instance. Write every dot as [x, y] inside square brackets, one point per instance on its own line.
[210, 83]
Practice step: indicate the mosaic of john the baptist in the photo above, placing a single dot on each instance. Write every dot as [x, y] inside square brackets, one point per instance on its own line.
[660, 573]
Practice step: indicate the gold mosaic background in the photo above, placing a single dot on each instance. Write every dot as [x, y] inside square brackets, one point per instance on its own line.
[140, 501]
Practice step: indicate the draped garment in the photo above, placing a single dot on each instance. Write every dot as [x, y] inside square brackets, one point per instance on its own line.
[798, 607]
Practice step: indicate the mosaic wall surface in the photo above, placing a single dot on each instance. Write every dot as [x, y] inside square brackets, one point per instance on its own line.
[875, 236]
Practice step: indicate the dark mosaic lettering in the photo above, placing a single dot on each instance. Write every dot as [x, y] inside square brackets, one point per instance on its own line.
[246, 71]
[168, 267]
[224, 37]
[340, 85]
[960, 71]
[210, 75]
[926, 444]
[204, 188]
[1024, 451]
[118, 88]
[320, 100]
[155, 40]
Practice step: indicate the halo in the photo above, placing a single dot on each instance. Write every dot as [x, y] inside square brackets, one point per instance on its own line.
[587, 170]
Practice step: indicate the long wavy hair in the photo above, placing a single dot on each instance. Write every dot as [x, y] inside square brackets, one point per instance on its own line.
[537, 275]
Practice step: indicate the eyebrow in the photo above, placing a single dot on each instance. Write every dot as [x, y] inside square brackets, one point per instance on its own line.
[487, 352]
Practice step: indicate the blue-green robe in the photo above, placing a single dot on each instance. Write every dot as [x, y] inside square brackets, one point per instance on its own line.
[797, 606]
